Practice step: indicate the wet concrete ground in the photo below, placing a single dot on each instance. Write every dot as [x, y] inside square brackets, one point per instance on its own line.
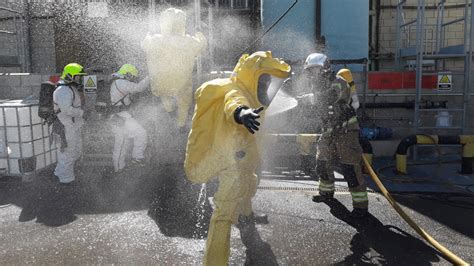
[139, 218]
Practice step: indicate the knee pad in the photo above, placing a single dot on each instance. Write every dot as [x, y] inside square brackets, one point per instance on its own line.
[350, 175]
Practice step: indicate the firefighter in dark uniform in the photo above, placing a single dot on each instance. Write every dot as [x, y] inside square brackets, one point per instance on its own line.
[338, 147]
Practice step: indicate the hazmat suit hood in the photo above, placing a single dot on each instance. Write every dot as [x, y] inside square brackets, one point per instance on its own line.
[216, 139]
[170, 60]
[173, 22]
[250, 67]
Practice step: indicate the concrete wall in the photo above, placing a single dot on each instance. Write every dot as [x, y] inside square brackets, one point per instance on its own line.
[20, 85]
[43, 55]
[39, 50]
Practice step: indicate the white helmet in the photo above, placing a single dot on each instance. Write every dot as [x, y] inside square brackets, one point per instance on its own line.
[316, 60]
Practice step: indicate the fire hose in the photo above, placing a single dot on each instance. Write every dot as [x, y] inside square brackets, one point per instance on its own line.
[451, 257]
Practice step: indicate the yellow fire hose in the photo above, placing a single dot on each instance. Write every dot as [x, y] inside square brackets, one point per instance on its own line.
[446, 253]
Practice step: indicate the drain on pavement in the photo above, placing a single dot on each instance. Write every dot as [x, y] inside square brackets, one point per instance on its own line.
[312, 189]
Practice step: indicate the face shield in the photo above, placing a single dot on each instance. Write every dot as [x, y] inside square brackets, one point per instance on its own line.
[268, 87]
[78, 81]
[312, 78]
[131, 78]
[318, 77]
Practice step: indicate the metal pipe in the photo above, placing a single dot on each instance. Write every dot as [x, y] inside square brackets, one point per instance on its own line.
[397, 37]
[7, 32]
[452, 128]
[442, 30]
[10, 10]
[22, 49]
[18, 42]
[364, 91]
[452, 22]
[441, 109]
[28, 47]
[407, 105]
[372, 14]
[409, 23]
[389, 118]
[401, 2]
[318, 21]
[197, 10]
[419, 59]
[467, 62]
[5, 135]
[377, 31]
[454, 6]
[211, 33]
[426, 106]
[471, 43]
[358, 61]
[467, 70]
[413, 94]
[438, 28]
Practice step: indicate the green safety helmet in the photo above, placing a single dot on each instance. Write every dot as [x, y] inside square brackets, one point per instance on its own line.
[128, 71]
[73, 72]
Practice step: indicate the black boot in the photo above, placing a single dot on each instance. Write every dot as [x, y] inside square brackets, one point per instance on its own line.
[324, 196]
[359, 212]
[260, 218]
[252, 219]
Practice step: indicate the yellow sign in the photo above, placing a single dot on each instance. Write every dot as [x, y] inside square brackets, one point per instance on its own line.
[445, 81]
[90, 83]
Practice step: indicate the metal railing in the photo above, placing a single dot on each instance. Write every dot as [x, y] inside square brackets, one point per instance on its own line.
[232, 4]
[431, 42]
[225, 4]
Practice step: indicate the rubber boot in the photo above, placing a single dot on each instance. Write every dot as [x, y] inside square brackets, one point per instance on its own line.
[324, 196]
[359, 213]
[254, 218]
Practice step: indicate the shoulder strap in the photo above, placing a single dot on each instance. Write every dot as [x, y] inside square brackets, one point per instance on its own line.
[73, 96]
[121, 99]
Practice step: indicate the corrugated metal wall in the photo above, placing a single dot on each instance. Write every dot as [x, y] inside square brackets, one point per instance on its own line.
[344, 24]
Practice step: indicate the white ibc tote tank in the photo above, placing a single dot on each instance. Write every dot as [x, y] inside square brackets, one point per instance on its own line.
[25, 144]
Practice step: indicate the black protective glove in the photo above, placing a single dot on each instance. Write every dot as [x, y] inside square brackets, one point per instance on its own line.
[248, 117]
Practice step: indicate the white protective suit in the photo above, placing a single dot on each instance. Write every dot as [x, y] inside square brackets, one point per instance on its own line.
[67, 101]
[170, 57]
[120, 91]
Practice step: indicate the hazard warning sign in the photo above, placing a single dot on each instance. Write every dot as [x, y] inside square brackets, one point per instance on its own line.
[445, 81]
[90, 84]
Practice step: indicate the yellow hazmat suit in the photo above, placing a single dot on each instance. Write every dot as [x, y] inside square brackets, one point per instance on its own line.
[220, 147]
[170, 57]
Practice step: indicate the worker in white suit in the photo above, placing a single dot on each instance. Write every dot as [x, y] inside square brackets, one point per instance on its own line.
[68, 100]
[124, 126]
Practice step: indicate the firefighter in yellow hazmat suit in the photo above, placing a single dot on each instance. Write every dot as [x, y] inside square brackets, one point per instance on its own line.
[170, 58]
[222, 144]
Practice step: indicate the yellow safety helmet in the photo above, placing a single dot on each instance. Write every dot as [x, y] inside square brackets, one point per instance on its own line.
[128, 70]
[346, 75]
[72, 73]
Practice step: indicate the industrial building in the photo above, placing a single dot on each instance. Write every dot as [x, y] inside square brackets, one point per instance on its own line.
[412, 62]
